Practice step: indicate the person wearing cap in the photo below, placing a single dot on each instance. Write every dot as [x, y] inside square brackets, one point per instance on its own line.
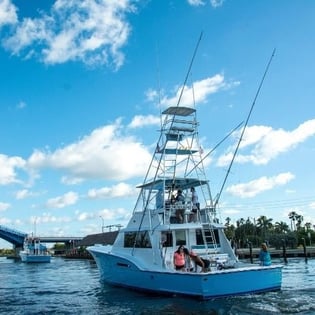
[264, 255]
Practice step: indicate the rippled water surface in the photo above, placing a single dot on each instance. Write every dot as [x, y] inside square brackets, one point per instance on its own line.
[73, 287]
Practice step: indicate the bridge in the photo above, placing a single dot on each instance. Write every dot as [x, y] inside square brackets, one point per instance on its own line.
[17, 238]
[12, 236]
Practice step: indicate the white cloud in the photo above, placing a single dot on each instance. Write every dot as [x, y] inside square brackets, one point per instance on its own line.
[48, 218]
[90, 31]
[71, 180]
[85, 216]
[7, 13]
[264, 143]
[213, 3]
[196, 2]
[27, 32]
[22, 194]
[191, 95]
[141, 121]
[117, 191]
[8, 166]
[151, 95]
[216, 3]
[67, 199]
[197, 93]
[106, 216]
[5, 221]
[255, 187]
[104, 154]
[119, 214]
[4, 206]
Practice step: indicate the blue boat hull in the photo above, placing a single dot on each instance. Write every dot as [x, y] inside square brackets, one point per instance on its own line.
[219, 283]
[27, 258]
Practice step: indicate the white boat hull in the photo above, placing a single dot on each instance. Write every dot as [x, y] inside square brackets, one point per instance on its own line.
[219, 283]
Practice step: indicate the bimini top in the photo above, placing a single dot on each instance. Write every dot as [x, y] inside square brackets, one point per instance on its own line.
[179, 111]
[173, 183]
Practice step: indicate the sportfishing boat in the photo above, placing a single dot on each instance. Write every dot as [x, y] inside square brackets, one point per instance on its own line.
[34, 252]
[142, 256]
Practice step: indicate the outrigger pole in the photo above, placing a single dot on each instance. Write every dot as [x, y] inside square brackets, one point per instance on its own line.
[184, 84]
[189, 69]
[244, 128]
[178, 102]
[215, 147]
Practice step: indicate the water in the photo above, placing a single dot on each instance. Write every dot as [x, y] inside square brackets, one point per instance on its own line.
[73, 287]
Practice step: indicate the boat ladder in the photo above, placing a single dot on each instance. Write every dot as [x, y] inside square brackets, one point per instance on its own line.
[209, 237]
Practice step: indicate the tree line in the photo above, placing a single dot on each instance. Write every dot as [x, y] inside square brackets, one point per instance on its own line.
[255, 231]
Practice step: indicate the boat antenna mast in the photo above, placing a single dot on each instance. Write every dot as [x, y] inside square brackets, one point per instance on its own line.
[243, 130]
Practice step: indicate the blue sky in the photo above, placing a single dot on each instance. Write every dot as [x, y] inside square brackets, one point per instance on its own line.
[82, 84]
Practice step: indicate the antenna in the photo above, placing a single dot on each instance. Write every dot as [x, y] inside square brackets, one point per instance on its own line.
[245, 126]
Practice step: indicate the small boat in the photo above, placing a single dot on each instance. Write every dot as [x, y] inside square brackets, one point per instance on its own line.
[142, 256]
[34, 252]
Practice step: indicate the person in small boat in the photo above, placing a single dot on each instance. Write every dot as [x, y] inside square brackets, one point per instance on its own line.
[179, 259]
[264, 255]
[198, 261]
[195, 205]
[180, 201]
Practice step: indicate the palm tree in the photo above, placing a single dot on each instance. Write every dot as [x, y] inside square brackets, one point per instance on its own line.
[240, 222]
[308, 226]
[293, 216]
[299, 220]
[281, 227]
[228, 221]
[263, 223]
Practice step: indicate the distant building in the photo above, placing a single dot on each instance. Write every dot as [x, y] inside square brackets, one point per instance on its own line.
[80, 251]
[107, 238]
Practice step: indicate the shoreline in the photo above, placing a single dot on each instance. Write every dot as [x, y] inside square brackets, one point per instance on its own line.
[277, 253]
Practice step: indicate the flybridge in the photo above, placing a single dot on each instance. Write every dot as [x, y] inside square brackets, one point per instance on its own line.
[184, 183]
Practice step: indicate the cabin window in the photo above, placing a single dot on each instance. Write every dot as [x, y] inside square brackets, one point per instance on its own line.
[167, 239]
[180, 237]
[199, 238]
[137, 239]
[216, 236]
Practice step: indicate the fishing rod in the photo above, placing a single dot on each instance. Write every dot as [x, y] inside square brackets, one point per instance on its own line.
[244, 128]
[215, 147]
